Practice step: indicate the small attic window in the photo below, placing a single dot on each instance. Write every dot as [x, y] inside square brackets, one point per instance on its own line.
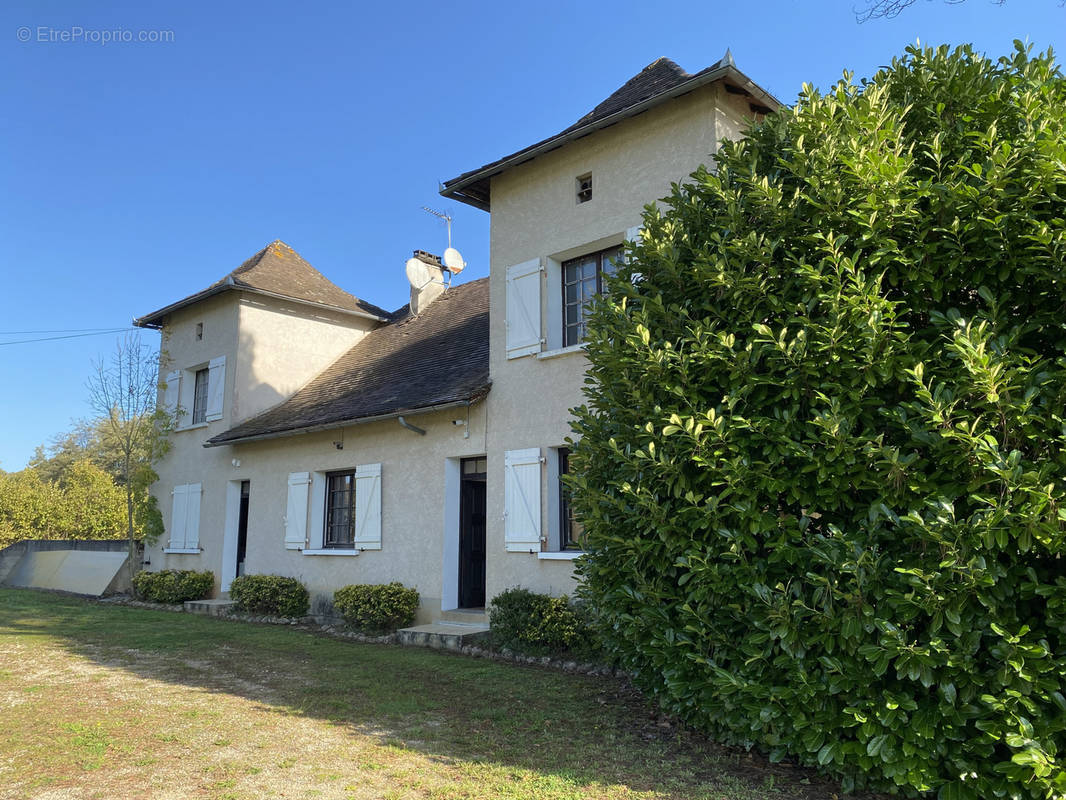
[199, 331]
[584, 187]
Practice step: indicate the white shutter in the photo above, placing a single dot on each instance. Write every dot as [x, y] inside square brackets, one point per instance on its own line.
[192, 516]
[634, 235]
[177, 517]
[523, 309]
[521, 525]
[171, 394]
[368, 507]
[216, 388]
[296, 511]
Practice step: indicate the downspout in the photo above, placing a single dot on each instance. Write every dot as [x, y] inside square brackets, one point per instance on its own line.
[405, 424]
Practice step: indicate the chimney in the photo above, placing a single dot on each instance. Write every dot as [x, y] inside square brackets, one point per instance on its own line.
[427, 280]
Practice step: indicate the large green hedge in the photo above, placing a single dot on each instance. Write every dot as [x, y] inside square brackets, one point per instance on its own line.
[823, 447]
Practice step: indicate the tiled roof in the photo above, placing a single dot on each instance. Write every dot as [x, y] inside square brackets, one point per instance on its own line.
[276, 270]
[413, 364]
[656, 83]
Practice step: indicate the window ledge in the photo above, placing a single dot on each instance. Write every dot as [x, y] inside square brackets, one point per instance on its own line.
[188, 551]
[562, 351]
[331, 552]
[569, 555]
[192, 427]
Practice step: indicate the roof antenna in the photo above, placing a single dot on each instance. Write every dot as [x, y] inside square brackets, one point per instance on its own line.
[453, 262]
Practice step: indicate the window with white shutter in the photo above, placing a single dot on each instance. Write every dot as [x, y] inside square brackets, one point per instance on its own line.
[368, 507]
[523, 309]
[522, 512]
[171, 393]
[185, 519]
[296, 510]
[216, 388]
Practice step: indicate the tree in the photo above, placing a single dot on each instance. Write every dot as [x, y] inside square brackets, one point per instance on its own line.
[822, 460]
[123, 390]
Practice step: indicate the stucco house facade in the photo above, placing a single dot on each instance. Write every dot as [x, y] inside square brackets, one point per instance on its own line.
[322, 437]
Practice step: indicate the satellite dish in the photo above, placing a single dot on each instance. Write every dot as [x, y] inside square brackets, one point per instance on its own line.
[417, 273]
[453, 262]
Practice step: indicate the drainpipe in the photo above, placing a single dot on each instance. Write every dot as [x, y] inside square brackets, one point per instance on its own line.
[404, 423]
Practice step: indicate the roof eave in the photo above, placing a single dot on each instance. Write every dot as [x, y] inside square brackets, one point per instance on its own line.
[331, 426]
[155, 319]
[453, 189]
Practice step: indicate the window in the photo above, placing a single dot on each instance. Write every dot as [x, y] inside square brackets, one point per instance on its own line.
[340, 511]
[571, 531]
[199, 397]
[584, 188]
[583, 279]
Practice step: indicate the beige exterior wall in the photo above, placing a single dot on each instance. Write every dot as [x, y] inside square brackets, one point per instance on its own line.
[283, 345]
[535, 215]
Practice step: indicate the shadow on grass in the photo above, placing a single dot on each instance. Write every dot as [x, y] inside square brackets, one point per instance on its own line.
[446, 707]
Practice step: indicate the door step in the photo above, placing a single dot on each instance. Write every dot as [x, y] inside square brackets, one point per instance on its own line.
[443, 635]
[465, 616]
[212, 608]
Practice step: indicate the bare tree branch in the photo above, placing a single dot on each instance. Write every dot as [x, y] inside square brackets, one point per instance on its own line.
[889, 9]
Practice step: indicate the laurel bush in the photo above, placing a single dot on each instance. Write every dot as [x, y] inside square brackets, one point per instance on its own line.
[173, 585]
[377, 608]
[273, 595]
[822, 459]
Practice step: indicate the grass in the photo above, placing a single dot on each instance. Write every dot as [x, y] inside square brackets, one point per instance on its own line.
[104, 701]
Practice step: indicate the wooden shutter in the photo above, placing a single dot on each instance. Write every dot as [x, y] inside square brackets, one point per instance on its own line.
[177, 517]
[171, 394]
[522, 515]
[192, 516]
[216, 388]
[296, 511]
[523, 309]
[368, 507]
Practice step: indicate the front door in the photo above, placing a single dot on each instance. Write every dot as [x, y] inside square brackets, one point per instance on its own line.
[472, 534]
[242, 527]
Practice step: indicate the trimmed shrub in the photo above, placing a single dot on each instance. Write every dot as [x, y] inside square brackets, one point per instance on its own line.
[173, 585]
[539, 624]
[272, 595]
[822, 463]
[376, 608]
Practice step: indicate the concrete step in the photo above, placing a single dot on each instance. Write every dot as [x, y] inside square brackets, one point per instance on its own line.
[442, 635]
[212, 608]
[466, 616]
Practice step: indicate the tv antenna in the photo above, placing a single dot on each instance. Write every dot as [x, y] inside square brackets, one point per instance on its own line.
[453, 261]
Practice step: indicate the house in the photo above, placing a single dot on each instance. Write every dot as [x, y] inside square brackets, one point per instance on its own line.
[326, 438]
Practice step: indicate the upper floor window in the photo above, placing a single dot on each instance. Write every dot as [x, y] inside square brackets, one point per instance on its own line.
[199, 397]
[583, 279]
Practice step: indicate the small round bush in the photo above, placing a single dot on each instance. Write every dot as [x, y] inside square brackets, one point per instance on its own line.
[272, 595]
[376, 608]
[173, 585]
[539, 624]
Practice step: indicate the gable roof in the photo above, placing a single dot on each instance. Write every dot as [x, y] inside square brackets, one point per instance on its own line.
[658, 82]
[278, 271]
[415, 364]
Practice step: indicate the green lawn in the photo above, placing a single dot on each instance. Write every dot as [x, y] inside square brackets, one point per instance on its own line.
[105, 701]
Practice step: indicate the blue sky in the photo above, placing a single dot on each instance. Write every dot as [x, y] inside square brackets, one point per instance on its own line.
[135, 173]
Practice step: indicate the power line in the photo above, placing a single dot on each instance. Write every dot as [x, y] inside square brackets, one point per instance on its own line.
[57, 330]
[69, 336]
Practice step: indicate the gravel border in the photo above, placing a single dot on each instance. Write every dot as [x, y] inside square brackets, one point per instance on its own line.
[336, 631]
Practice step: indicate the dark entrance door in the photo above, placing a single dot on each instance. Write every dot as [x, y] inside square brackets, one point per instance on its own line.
[472, 534]
[242, 527]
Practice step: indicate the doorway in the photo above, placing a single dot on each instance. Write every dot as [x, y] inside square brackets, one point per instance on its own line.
[472, 533]
[242, 527]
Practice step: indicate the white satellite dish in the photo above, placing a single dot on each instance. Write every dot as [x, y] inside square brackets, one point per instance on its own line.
[453, 262]
[417, 273]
